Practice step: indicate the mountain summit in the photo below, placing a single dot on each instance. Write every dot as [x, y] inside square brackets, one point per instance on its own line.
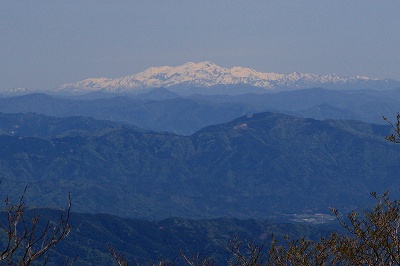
[207, 74]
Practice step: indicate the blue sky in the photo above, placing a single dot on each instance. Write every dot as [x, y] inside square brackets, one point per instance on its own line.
[44, 44]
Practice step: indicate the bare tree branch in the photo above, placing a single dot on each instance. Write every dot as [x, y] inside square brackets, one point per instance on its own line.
[28, 240]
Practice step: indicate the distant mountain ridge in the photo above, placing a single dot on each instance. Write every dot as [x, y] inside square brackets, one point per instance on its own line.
[207, 75]
[161, 110]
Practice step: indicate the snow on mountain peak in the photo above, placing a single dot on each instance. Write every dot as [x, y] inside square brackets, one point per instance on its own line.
[207, 74]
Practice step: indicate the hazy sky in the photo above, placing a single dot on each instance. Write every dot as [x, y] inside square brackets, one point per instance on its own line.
[44, 44]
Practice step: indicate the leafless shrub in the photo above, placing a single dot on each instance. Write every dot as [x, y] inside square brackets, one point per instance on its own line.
[29, 240]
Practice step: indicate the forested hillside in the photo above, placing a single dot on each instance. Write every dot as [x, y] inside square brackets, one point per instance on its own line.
[259, 166]
[145, 241]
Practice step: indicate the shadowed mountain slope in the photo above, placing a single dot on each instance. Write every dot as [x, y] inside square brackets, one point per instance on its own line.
[149, 241]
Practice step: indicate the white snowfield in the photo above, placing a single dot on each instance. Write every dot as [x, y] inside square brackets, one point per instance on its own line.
[207, 74]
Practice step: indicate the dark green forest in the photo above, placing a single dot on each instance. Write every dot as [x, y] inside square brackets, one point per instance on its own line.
[260, 166]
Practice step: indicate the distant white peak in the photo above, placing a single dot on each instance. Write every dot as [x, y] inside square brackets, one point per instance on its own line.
[18, 91]
[90, 82]
[364, 78]
[242, 72]
[190, 67]
[204, 64]
[208, 74]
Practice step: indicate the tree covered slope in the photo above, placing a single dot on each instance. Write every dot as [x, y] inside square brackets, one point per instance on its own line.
[264, 165]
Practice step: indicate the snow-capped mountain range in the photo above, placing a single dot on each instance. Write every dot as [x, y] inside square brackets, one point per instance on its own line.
[207, 75]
